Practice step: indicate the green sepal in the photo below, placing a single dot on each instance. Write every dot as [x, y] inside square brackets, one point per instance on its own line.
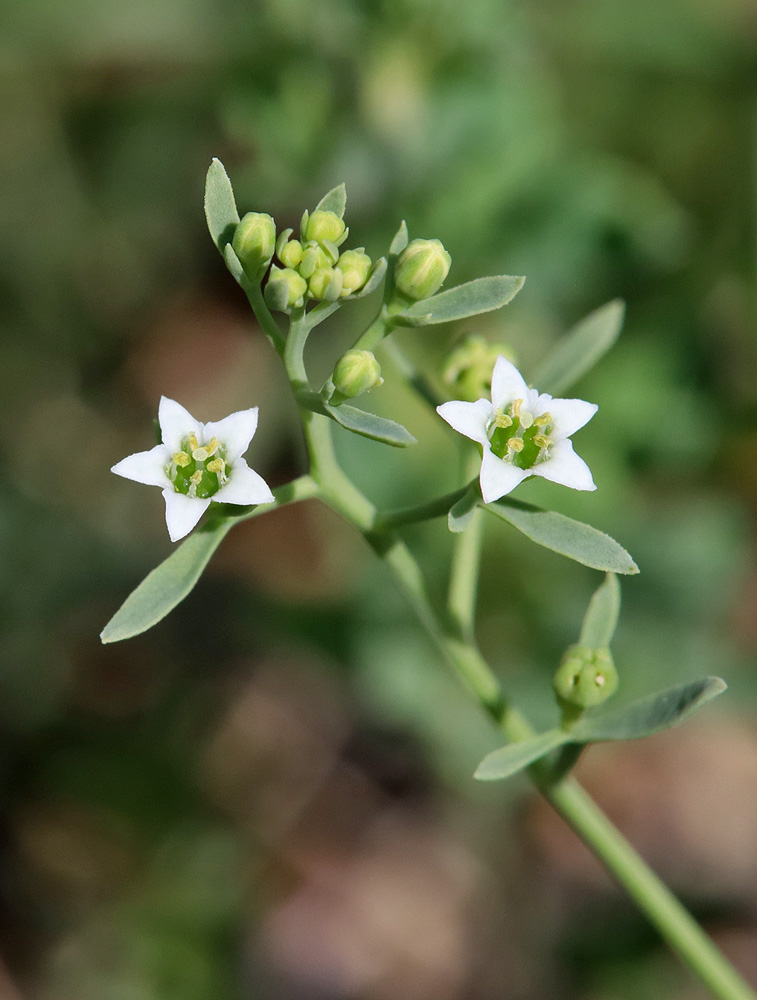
[167, 585]
[565, 536]
[580, 349]
[461, 512]
[649, 715]
[220, 207]
[234, 264]
[335, 201]
[479, 296]
[601, 616]
[331, 249]
[399, 241]
[510, 759]
[282, 241]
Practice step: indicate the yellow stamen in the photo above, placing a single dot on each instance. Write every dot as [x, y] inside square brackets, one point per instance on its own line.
[515, 407]
[502, 420]
[542, 441]
[515, 444]
[192, 442]
[181, 459]
[216, 465]
[543, 420]
[213, 446]
[196, 477]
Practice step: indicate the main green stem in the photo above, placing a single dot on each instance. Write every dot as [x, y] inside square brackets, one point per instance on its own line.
[457, 646]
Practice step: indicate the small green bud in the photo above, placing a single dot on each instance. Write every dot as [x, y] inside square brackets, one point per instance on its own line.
[313, 258]
[285, 289]
[290, 254]
[254, 242]
[586, 677]
[355, 265]
[356, 372]
[324, 226]
[469, 366]
[325, 283]
[421, 268]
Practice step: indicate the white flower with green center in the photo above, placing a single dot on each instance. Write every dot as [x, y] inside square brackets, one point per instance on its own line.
[523, 433]
[198, 463]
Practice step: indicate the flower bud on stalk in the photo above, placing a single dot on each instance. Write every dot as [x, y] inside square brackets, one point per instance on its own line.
[285, 289]
[325, 283]
[421, 268]
[469, 366]
[586, 677]
[356, 372]
[355, 265]
[325, 226]
[290, 254]
[254, 242]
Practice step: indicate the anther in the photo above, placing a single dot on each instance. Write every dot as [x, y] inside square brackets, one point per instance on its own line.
[515, 407]
[191, 442]
[216, 465]
[543, 420]
[502, 420]
[181, 459]
[542, 441]
[515, 444]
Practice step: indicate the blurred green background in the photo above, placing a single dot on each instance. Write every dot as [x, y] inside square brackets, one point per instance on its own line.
[269, 795]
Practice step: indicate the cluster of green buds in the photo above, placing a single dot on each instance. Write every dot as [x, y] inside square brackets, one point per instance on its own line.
[469, 366]
[585, 678]
[313, 267]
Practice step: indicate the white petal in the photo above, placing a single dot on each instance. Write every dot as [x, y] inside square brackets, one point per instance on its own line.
[245, 486]
[507, 384]
[499, 477]
[176, 423]
[234, 432]
[469, 419]
[148, 467]
[570, 415]
[182, 512]
[565, 467]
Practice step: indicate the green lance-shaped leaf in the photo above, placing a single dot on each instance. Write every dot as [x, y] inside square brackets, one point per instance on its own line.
[562, 534]
[234, 264]
[510, 759]
[369, 425]
[461, 512]
[601, 616]
[167, 585]
[399, 241]
[649, 715]
[580, 349]
[335, 201]
[479, 296]
[220, 207]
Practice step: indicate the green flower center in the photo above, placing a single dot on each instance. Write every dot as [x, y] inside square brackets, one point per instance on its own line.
[518, 437]
[198, 470]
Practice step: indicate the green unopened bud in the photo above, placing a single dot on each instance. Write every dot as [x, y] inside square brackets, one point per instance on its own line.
[325, 283]
[324, 226]
[314, 257]
[469, 366]
[285, 289]
[421, 268]
[355, 265]
[254, 242]
[586, 677]
[290, 254]
[356, 372]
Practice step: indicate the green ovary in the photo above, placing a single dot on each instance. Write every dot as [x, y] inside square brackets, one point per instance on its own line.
[198, 470]
[517, 437]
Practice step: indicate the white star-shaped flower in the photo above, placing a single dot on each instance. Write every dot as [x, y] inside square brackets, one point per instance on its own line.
[198, 463]
[523, 433]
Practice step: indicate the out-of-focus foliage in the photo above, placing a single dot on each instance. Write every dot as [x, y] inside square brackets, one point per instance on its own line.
[270, 794]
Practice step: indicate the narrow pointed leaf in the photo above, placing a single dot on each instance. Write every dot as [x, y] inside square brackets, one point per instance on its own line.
[220, 208]
[234, 264]
[562, 534]
[334, 201]
[510, 759]
[370, 425]
[601, 616]
[649, 715]
[400, 240]
[479, 296]
[167, 585]
[581, 349]
[461, 513]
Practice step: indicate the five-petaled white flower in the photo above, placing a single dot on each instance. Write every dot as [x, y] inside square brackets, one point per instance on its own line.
[523, 433]
[197, 463]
